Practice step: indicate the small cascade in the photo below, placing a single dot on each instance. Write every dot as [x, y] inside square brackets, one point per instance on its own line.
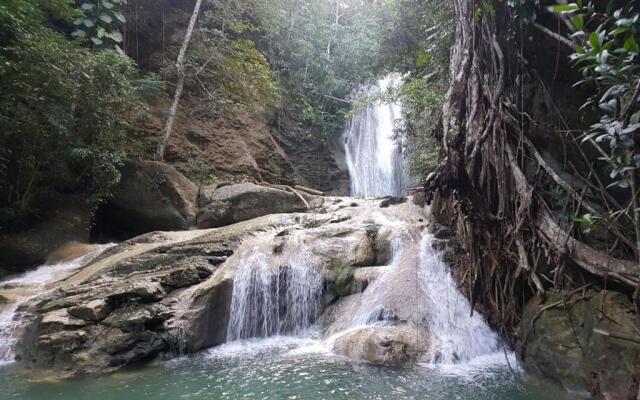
[9, 325]
[418, 294]
[274, 295]
[24, 287]
[374, 158]
[457, 336]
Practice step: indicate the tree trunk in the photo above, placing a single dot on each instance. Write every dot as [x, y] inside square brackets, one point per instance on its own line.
[180, 86]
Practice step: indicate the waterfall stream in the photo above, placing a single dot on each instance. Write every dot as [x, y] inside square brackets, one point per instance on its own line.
[274, 295]
[374, 158]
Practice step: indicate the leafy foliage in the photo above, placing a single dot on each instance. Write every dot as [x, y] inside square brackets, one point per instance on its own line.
[99, 20]
[63, 112]
[607, 54]
[418, 40]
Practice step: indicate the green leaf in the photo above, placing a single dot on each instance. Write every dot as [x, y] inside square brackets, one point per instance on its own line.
[578, 21]
[564, 8]
[96, 41]
[87, 6]
[594, 41]
[89, 23]
[79, 34]
[631, 45]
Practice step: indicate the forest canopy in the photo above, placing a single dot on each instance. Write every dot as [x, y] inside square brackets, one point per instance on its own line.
[79, 76]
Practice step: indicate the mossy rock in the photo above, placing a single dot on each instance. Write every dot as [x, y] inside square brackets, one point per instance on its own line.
[566, 339]
[339, 278]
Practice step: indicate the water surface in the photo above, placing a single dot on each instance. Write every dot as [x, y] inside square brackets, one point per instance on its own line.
[286, 368]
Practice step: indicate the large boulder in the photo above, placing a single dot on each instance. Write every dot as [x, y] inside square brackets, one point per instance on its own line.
[68, 220]
[382, 345]
[151, 196]
[226, 205]
[586, 343]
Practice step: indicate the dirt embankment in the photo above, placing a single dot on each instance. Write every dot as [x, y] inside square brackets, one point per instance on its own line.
[240, 146]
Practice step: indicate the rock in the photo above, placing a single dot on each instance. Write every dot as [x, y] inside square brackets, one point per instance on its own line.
[208, 310]
[382, 345]
[391, 200]
[244, 201]
[133, 318]
[338, 278]
[94, 310]
[142, 291]
[349, 245]
[60, 320]
[439, 244]
[442, 232]
[366, 275]
[185, 276]
[151, 196]
[68, 220]
[571, 344]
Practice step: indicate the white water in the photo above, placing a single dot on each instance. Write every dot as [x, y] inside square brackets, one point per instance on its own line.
[274, 295]
[374, 158]
[28, 285]
[457, 336]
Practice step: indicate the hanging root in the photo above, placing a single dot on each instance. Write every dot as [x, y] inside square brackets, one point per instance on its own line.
[493, 183]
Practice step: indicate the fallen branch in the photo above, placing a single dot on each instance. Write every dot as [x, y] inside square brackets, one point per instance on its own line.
[309, 190]
[299, 195]
[617, 335]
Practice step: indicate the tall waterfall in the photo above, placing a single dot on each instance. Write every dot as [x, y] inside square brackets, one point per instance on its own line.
[374, 158]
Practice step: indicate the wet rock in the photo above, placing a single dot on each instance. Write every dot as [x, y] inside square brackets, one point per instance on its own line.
[338, 278]
[382, 345]
[442, 232]
[391, 200]
[207, 312]
[364, 276]
[439, 244]
[580, 342]
[244, 201]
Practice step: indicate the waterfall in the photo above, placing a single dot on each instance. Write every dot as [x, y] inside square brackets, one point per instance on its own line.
[24, 287]
[374, 158]
[456, 334]
[274, 295]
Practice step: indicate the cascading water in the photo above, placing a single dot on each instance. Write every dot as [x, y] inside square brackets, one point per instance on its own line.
[457, 335]
[274, 295]
[25, 287]
[374, 158]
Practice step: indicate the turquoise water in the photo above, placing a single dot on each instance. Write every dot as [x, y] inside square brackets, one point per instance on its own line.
[285, 369]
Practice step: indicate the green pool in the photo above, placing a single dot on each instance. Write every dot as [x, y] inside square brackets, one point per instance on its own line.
[285, 368]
